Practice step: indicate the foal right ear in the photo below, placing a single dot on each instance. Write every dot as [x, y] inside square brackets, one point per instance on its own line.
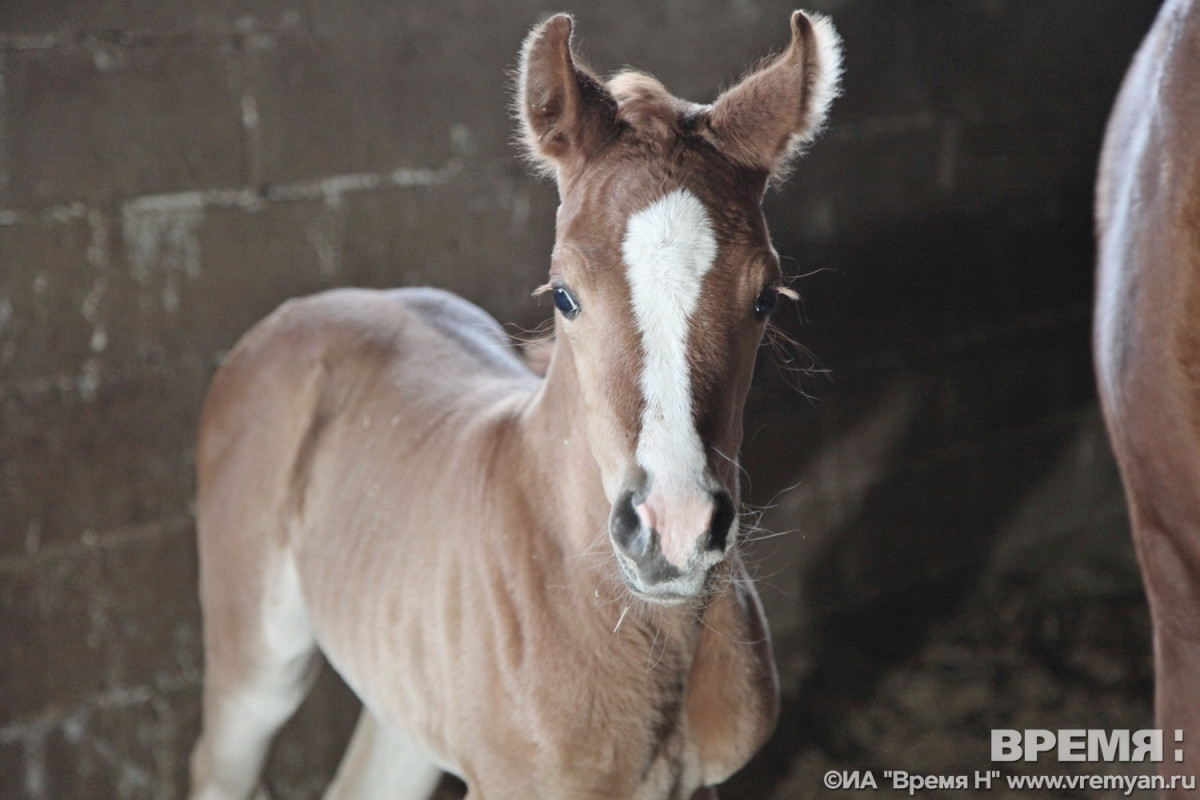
[566, 113]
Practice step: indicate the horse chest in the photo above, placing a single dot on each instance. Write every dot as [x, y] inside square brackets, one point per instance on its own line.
[591, 736]
[627, 714]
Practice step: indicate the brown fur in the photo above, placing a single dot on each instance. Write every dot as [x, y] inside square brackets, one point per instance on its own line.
[1147, 339]
[775, 111]
[382, 478]
[563, 109]
[763, 123]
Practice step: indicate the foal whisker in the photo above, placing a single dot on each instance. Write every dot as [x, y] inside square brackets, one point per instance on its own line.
[775, 535]
[620, 619]
[734, 461]
[526, 337]
[726, 637]
[772, 502]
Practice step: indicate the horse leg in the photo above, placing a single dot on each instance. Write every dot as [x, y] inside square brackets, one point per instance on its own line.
[382, 763]
[261, 661]
[1169, 558]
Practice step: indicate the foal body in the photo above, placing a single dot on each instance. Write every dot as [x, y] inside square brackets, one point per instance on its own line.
[471, 592]
[1147, 341]
[530, 582]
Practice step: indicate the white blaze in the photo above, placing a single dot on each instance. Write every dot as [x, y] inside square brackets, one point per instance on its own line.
[668, 248]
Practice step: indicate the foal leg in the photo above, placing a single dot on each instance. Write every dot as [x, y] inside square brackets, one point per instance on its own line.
[260, 663]
[382, 763]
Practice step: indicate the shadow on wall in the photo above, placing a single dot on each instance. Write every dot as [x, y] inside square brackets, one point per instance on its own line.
[955, 556]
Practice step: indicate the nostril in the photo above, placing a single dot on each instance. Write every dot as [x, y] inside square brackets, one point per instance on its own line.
[646, 515]
[722, 521]
[626, 527]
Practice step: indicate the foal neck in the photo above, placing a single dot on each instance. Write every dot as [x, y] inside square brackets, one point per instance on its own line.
[568, 487]
[568, 490]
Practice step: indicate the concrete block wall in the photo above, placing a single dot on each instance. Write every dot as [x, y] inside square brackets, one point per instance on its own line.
[170, 172]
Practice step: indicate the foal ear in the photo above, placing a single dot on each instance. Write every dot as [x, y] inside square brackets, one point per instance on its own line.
[768, 118]
[566, 113]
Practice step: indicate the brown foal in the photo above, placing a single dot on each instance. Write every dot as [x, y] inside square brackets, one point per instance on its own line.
[531, 582]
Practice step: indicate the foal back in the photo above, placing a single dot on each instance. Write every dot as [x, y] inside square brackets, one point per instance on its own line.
[290, 533]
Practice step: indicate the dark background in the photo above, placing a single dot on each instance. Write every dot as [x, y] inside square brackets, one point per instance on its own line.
[952, 553]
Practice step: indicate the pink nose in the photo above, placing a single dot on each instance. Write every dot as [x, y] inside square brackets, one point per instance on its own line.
[680, 519]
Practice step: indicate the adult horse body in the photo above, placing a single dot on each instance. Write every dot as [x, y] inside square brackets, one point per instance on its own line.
[1147, 341]
[530, 582]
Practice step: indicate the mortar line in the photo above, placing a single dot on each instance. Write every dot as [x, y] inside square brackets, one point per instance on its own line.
[43, 722]
[327, 188]
[92, 541]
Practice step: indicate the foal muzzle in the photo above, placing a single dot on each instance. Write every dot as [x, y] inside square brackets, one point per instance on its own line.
[667, 542]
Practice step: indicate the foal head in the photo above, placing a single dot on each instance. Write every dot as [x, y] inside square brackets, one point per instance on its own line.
[663, 275]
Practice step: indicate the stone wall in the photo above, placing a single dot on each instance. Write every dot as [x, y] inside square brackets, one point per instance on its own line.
[170, 172]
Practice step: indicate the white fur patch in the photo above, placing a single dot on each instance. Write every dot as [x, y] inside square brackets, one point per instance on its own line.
[826, 84]
[668, 248]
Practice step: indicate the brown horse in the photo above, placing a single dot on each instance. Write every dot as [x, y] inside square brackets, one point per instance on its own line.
[530, 582]
[1147, 342]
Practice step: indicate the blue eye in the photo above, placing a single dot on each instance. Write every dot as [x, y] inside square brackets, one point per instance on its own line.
[565, 302]
[765, 303]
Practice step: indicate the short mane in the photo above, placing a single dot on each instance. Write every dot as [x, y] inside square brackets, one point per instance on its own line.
[645, 105]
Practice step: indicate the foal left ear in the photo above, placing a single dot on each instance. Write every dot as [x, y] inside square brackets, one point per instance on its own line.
[566, 113]
[774, 112]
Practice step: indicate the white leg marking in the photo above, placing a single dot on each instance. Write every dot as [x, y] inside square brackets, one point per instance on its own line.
[241, 717]
[382, 763]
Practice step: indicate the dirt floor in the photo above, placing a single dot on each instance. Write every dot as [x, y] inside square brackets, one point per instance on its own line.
[1024, 651]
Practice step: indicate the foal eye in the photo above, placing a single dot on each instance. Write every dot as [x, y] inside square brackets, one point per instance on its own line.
[565, 302]
[765, 303]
